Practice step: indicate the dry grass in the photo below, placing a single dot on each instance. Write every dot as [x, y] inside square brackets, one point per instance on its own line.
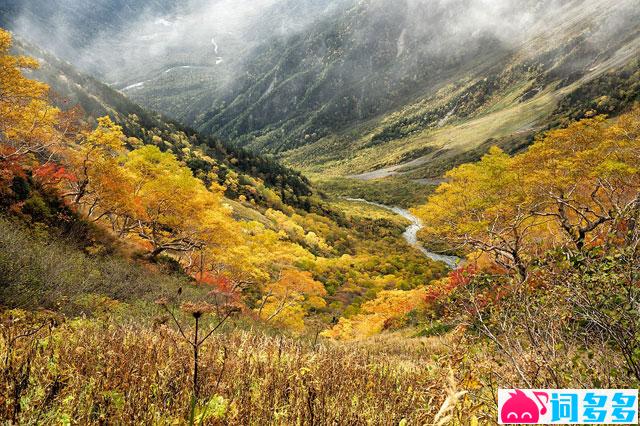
[91, 371]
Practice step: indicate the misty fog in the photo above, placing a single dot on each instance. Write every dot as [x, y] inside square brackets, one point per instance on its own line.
[235, 67]
[154, 35]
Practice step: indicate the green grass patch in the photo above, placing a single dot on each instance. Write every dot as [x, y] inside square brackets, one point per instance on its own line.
[391, 191]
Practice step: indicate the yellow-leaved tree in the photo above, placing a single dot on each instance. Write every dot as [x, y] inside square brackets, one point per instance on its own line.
[262, 254]
[173, 210]
[29, 124]
[483, 206]
[576, 187]
[101, 188]
[147, 195]
[586, 176]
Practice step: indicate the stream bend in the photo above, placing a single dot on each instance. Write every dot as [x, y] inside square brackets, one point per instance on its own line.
[411, 233]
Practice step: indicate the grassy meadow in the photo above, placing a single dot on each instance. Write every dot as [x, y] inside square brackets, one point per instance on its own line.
[96, 371]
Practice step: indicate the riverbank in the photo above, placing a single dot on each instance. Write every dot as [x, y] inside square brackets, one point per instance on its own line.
[410, 235]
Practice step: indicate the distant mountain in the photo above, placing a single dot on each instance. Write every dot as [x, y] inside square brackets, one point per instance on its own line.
[70, 28]
[374, 85]
[346, 86]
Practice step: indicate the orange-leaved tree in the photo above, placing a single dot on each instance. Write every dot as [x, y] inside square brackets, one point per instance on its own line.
[388, 307]
[287, 300]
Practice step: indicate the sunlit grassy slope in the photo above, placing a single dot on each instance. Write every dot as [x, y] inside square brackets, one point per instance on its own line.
[396, 191]
[510, 118]
[501, 120]
[557, 76]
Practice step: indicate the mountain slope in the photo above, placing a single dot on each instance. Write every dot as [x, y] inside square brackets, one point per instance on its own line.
[73, 88]
[344, 87]
[392, 113]
[373, 85]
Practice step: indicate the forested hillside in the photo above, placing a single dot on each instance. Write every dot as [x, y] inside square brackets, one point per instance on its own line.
[204, 198]
[76, 90]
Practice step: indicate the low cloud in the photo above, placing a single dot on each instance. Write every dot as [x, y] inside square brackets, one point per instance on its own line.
[125, 44]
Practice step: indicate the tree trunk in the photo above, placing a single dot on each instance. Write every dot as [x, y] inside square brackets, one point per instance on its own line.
[195, 361]
[155, 253]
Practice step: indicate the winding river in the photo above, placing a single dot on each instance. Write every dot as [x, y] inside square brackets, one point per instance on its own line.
[411, 233]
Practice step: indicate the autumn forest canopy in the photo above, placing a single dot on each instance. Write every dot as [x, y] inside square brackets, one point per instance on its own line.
[362, 260]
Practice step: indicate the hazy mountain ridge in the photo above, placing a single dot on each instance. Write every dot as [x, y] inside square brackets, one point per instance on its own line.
[355, 77]
[512, 99]
[344, 86]
[311, 84]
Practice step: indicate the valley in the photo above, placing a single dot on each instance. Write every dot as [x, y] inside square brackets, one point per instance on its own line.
[316, 212]
[315, 101]
[410, 235]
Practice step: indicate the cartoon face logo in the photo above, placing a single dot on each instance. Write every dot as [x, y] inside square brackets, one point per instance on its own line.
[519, 408]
